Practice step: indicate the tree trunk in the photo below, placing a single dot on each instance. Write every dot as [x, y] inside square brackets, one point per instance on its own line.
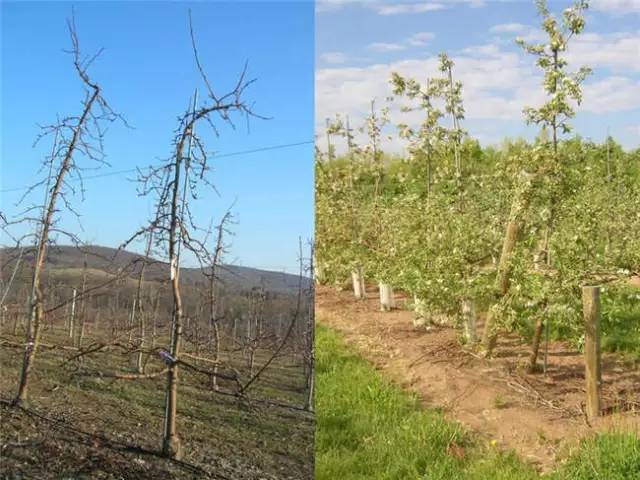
[519, 206]
[456, 127]
[234, 332]
[318, 273]
[171, 445]
[35, 301]
[216, 352]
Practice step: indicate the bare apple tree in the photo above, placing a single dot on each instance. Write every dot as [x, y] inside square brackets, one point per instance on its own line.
[77, 139]
[174, 184]
[279, 349]
[213, 300]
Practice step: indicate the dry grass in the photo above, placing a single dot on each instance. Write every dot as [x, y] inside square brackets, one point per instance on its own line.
[78, 424]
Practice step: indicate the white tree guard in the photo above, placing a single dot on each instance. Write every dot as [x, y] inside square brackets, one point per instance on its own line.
[387, 300]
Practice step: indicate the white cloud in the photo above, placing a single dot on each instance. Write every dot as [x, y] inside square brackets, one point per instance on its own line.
[497, 85]
[508, 28]
[397, 8]
[486, 49]
[405, 8]
[420, 39]
[386, 47]
[633, 129]
[327, 6]
[392, 7]
[611, 94]
[475, 3]
[617, 51]
[334, 58]
[527, 33]
[499, 80]
[616, 7]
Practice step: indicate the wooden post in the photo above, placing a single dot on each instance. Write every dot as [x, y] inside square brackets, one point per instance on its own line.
[132, 316]
[357, 278]
[591, 314]
[83, 308]
[387, 300]
[73, 314]
[155, 320]
[469, 321]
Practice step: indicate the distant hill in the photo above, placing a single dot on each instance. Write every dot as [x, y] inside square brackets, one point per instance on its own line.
[108, 259]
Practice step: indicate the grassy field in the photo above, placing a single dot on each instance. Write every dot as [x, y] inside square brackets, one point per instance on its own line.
[369, 429]
[78, 424]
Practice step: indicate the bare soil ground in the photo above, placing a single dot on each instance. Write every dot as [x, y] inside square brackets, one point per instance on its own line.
[540, 416]
[80, 425]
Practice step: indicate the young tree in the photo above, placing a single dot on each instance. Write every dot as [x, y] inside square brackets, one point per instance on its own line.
[255, 326]
[452, 93]
[138, 308]
[354, 255]
[280, 348]
[173, 184]
[5, 289]
[213, 291]
[76, 136]
[429, 136]
[563, 89]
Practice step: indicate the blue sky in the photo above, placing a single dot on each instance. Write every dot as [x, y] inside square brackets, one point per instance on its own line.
[147, 73]
[353, 65]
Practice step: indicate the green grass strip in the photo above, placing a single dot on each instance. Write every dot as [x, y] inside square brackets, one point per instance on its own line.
[367, 428]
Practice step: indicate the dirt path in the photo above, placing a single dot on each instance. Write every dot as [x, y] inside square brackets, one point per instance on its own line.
[536, 415]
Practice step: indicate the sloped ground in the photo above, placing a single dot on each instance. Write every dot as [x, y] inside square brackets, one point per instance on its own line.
[83, 426]
[539, 416]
